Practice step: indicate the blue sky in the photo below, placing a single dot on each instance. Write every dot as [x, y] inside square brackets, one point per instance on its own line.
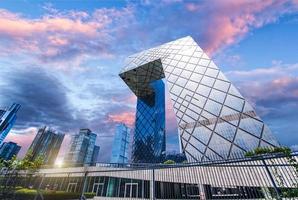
[61, 59]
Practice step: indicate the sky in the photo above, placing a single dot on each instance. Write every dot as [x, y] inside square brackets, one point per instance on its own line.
[60, 60]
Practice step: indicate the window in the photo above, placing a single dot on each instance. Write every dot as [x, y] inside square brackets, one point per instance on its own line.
[131, 190]
[71, 187]
[97, 189]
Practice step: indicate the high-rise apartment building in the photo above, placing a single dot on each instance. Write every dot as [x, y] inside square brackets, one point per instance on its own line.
[8, 150]
[121, 144]
[46, 144]
[82, 148]
[215, 121]
[149, 143]
[7, 120]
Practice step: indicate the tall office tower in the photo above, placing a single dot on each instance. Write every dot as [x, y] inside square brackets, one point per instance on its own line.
[8, 150]
[7, 120]
[121, 144]
[95, 153]
[46, 143]
[149, 136]
[82, 148]
[214, 119]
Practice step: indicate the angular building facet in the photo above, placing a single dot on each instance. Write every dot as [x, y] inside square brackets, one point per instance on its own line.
[120, 144]
[82, 148]
[8, 150]
[214, 119]
[46, 144]
[7, 120]
[149, 136]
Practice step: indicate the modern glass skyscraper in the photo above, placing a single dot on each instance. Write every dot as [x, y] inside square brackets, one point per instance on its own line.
[149, 137]
[121, 144]
[81, 148]
[8, 150]
[7, 120]
[95, 153]
[46, 143]
[214, 119]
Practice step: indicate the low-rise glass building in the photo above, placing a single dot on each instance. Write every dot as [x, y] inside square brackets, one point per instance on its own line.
[8, 150]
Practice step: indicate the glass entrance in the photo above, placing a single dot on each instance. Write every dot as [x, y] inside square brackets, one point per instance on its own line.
[131, 190]
[71, 187]
[97, 189]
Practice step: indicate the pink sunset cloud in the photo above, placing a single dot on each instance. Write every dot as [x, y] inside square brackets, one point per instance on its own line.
[284, 87]
[128, 99]
[62, 35]
[273, 86]
[228, 21]
[132, 99]
[23, 137]
[126, 117]
[15, 26]
[171, 122]
[81, 40]
[192, 7]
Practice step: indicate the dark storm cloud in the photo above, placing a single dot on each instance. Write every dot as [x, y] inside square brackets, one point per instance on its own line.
[45, 100]
[42, 97]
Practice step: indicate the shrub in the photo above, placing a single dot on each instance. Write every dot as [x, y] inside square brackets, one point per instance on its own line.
[18, 187]
[169, 162]
[57, 195]
[249, 154]
[289, 192]
[264, 150]
[24, 194]
[89, 194]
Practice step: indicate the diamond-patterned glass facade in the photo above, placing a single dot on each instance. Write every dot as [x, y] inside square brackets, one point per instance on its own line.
[214, 120]
[149, 138]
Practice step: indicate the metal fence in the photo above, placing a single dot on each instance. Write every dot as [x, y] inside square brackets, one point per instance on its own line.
[271, 177]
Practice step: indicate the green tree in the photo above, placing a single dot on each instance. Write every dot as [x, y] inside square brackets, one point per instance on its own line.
[265, 150]
[286, 151]
[29, 163]
[169, 162]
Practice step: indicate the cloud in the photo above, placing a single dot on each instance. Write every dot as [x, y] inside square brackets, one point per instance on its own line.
[62, 35]
[171, 122]
[63, 104]
[229, 21]
[70, 36]
[34, 50]
[192, 7]
[277, 91]
[42, 96]
[294, 148]
[214, 26]
[273, 91]
[125, 117]
[268, 86]
[22, 137]
[265, 73]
